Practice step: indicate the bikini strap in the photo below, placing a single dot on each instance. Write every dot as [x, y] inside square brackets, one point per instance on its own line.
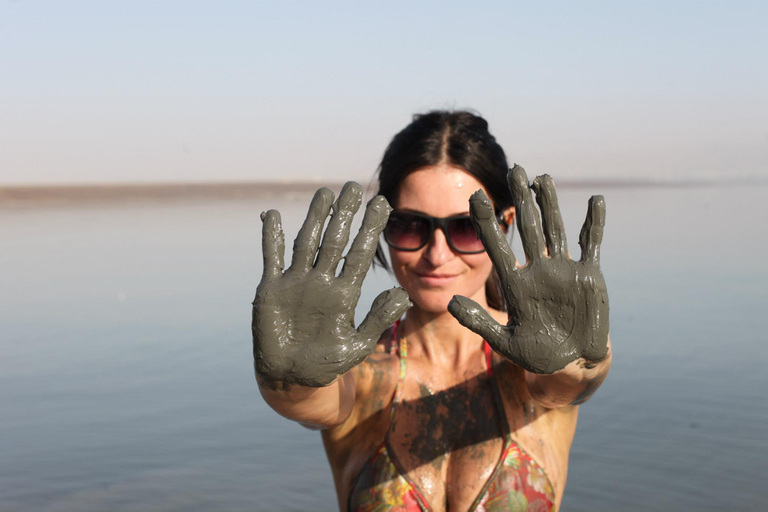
[393, 341]
[498, 401]
[400, 346]
[488, 358]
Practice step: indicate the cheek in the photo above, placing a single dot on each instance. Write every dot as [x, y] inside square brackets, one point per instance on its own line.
[480, 263]
[394, 257]
[401, 259]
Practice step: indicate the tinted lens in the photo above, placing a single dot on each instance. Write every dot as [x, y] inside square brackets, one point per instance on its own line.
[463, 235]
[407, 231]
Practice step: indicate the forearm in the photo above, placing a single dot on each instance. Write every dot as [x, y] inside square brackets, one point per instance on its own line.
[315, 408]
[573, 385]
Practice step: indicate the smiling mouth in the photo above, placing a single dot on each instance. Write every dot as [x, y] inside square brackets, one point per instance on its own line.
[436, 279]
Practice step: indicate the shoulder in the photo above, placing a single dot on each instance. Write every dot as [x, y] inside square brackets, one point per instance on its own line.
[348, 445]
[513, 387]
[379, 371]
[375, 382]
[384, 345]
[545, 434]
[516, 395]
[376, 376]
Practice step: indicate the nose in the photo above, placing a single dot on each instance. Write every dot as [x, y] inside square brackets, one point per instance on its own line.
[437, 251]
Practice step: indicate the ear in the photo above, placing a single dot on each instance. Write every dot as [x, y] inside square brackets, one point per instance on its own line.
[508, 216]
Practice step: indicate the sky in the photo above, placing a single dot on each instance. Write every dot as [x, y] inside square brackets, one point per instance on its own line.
[148, 91]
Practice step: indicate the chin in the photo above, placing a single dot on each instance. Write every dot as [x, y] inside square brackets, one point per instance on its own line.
[435, 302]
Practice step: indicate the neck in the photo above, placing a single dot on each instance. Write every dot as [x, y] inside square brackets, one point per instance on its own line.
[439, 338]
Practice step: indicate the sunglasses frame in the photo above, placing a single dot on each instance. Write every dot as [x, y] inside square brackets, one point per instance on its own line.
[434, 223]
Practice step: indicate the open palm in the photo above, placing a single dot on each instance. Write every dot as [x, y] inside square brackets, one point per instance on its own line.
[304, 318]
[557, 307]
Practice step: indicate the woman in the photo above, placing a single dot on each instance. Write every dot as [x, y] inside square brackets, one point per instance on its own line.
[459, 405]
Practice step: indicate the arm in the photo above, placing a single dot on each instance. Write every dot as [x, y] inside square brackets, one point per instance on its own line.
[573, 385]
[304, 335]
[557, 327]
[315, 408]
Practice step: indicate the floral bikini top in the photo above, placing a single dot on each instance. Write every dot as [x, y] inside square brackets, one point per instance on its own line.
[517, 483]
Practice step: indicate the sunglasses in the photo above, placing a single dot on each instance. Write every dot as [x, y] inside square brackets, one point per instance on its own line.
[410, 231]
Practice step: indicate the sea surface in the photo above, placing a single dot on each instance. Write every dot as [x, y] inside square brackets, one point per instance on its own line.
[126, 373]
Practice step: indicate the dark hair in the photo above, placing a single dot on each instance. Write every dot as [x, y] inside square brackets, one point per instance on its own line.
[460, 139]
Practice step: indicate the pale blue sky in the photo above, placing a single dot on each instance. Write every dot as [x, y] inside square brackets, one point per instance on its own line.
[147, 91]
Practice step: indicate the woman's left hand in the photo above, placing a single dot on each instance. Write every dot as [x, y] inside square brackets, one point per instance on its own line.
[557, 307]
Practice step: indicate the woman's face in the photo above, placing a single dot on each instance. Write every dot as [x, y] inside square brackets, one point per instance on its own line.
[435, 273]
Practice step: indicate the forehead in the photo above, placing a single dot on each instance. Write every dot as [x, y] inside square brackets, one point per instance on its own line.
[440, 191]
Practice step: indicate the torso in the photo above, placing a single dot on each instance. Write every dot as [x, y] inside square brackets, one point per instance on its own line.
[447, 442]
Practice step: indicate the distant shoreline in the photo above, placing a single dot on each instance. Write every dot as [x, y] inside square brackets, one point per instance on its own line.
[70, 194]
[67, 195]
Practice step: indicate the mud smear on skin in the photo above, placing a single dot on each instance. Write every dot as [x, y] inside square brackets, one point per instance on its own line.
[463, 417]
[304, 317]
[459, 417]
[558, 307]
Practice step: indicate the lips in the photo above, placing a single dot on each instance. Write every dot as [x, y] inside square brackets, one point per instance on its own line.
[436, 280]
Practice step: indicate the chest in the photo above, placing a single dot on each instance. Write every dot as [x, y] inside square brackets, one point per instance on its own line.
[449, 442]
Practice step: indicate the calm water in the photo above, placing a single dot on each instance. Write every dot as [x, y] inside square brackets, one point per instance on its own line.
[126, 378]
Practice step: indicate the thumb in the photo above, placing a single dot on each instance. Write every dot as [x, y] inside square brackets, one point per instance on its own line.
[386, 309]
[474, 317]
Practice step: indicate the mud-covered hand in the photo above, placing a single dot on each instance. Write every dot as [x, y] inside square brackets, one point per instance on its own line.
[557, 307]
[304, 318]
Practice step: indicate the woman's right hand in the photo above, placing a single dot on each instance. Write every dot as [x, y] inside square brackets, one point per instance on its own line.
[304, 317]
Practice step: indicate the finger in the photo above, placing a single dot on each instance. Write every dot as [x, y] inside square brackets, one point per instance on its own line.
[474, 317]
[527, 216]
[272, 245]
[490, 233]
[551, 219]
[592, 232]
[337, 233]
[386, 309]
[308, 239]
[360, 255]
